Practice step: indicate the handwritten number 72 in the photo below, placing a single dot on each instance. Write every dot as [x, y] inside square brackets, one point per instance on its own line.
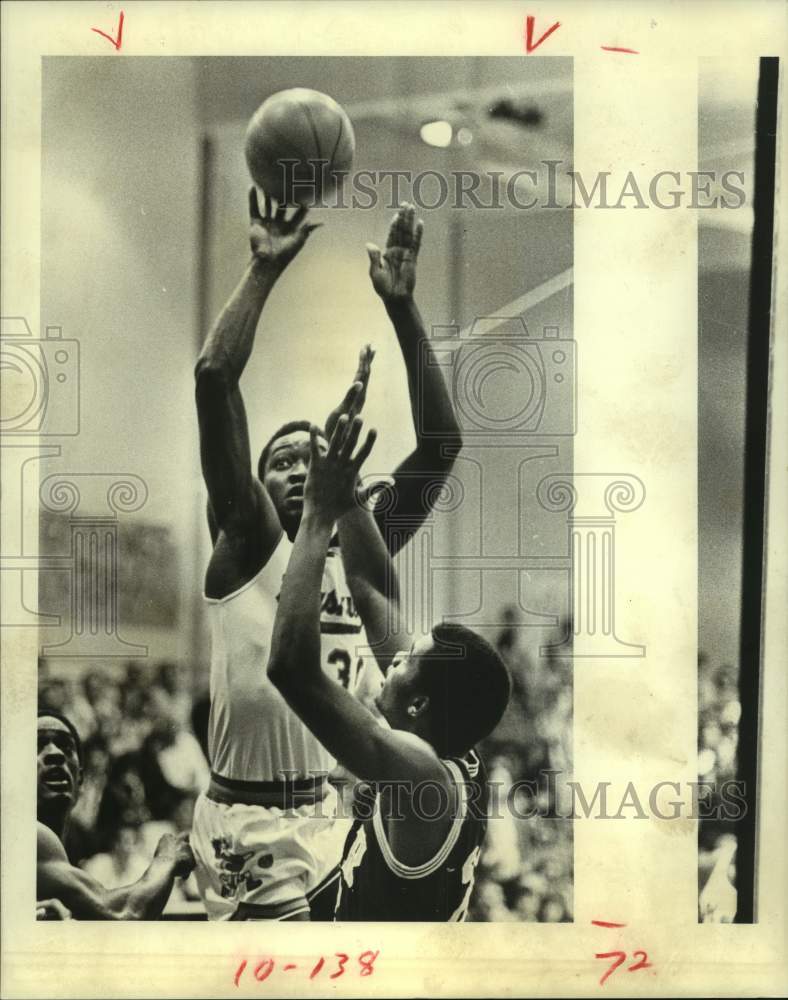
[619, 957]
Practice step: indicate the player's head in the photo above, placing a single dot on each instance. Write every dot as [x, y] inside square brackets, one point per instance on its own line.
[59, 764]
[282, 469]
[451, 688]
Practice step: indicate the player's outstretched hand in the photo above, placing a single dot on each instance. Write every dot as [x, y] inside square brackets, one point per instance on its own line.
[176, 849]
[52, 909]
[393, 271]
[355, 397]
[275, 239]
[330, 489]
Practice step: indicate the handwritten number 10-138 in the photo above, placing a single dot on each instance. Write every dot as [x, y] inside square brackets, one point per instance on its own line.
[364, 965]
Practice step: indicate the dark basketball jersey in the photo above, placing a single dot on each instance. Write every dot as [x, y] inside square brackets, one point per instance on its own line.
[374, 885]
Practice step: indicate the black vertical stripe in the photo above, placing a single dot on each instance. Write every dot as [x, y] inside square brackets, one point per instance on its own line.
[753, 521]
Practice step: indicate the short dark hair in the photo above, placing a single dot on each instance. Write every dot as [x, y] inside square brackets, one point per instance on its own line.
[468, 688]
[48, 713]
[288, 428]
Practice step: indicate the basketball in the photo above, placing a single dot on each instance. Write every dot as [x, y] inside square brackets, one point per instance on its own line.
[312, 133]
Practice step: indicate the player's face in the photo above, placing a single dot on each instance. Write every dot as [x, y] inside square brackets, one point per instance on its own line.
[59, 773]
[285, 474]
[401, 682]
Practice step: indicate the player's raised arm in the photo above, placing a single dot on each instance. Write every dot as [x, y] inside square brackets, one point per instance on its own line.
[393, 275]
[239, 504]
[369, 568]
[87, 899]
[345, 727]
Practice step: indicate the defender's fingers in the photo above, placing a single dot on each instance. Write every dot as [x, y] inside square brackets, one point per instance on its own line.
[281, 211]
[366, 448]
[354, 428]
[338, 436]
[365, 356]
[351, 396]
[313, 436]
[254, 207]
[351, 438]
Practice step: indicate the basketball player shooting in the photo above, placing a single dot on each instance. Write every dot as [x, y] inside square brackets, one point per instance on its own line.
[414, 855]
[264, 835]
[64, 891]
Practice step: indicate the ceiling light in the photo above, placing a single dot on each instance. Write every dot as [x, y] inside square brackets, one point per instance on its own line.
[438, 133]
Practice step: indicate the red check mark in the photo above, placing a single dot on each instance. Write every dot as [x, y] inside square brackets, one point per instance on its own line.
[115, 41]
[530, 44]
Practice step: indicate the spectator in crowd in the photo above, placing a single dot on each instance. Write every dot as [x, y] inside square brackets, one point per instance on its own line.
[124, 861]
[172, 765]
[83, 837]
[124, 802]
[719, 710]
[171, 694]
[145, 761]
[525, 871]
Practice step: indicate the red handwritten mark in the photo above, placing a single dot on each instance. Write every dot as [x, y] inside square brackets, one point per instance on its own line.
[615, 48]
[342, 963]
[241, 968]
[367, 960]
[619, 956]
[264, 970]
[115, 41]
[530, 44]
[642, 964]
[319, 965]
[290, 966]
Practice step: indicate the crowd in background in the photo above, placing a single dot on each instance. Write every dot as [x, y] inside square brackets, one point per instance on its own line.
[526, 867]
[719, 711]
[145, 761]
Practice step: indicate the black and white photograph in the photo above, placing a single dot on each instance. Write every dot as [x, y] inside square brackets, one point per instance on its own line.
[393, 485]
[296, 261]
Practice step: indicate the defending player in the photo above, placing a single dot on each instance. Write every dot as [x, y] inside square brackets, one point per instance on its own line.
[263, 834]
[64, 891]
[413, 857]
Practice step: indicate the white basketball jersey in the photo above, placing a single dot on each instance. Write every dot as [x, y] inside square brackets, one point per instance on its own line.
[253, 735]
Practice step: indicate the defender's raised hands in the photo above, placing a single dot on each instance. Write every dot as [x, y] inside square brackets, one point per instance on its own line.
[393, 271]
[356, 395]
[274, 238]
[330, 489]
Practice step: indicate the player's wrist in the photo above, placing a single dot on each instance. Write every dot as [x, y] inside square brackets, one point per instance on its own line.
[394, 299]
[266, 269]
[317, 518]
[400, 308]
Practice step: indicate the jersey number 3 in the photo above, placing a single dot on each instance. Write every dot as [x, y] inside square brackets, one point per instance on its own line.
[345, 660]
